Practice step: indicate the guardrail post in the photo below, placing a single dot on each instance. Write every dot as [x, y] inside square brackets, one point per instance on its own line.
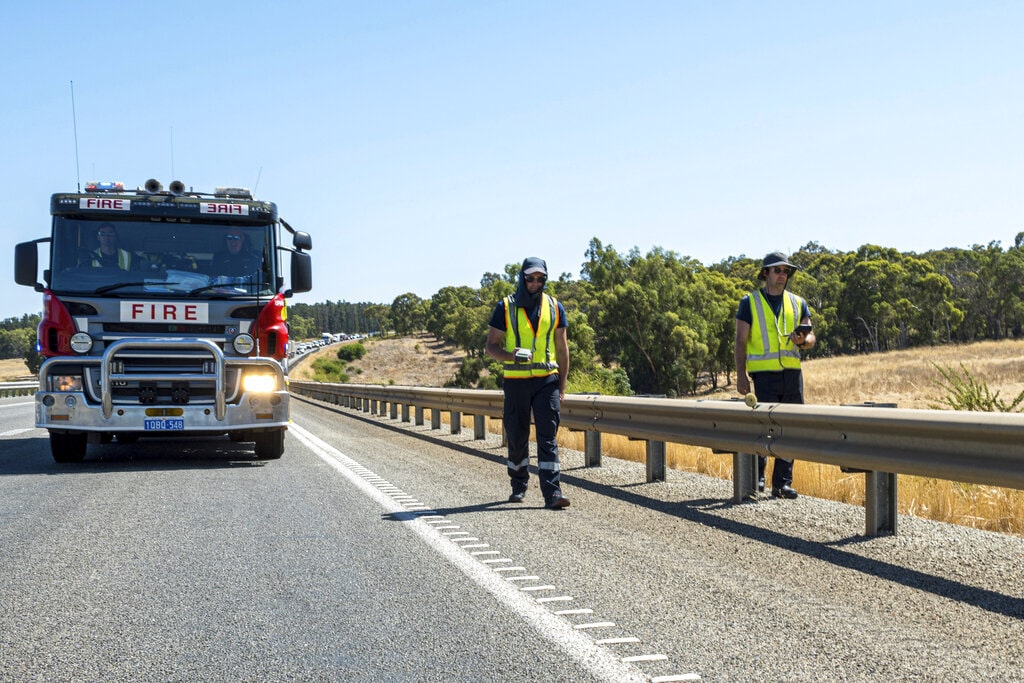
[456, 423]
[405, 412]
[880, 503]
[591, 449]
[394, 410]
[880, 492]
[419, 416]
[479, 427]
[371, 406]
[655, 461]
[435, 418]
[744, 477]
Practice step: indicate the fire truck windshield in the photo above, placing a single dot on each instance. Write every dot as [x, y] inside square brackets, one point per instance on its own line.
[105, 257]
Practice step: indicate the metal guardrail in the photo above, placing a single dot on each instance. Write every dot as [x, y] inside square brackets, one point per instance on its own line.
[18, 388]
[969, 447]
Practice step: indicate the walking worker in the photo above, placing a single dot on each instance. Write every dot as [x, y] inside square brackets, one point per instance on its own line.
[772, 325]
[528, 334]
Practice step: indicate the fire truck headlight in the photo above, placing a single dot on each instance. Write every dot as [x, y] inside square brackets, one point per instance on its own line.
[81, 342]
[244, 344]
[259, 384]
[65, 383]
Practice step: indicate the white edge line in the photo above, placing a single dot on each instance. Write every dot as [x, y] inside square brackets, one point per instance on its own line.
[592, 657]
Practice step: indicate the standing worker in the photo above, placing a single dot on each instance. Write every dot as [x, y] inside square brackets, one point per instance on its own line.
[771, 326]
[529, 335]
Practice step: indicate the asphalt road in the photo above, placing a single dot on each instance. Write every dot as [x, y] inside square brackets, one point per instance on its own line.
[380, 551]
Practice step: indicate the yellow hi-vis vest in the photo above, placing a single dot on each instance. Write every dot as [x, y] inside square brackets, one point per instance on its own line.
[769, 347]
[124, 259]
[519, 333]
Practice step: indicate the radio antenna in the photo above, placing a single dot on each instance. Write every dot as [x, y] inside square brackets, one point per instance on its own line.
[172, 154]
[257, 181]
[74, 123]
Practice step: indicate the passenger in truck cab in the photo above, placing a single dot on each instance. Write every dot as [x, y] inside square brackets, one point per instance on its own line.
[237, 259]
[109, 254]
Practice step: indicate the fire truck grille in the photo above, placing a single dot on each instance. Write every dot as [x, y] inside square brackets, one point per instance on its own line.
[147, 381]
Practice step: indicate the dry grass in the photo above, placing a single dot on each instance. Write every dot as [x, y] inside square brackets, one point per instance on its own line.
[13, 370]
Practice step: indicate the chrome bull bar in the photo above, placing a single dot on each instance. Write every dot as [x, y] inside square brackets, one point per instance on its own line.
[108, 376]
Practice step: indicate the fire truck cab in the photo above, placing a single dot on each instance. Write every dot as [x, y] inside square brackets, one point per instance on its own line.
[163, 313]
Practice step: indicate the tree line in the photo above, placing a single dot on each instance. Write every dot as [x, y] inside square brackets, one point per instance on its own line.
[668, 322]
[662, 323]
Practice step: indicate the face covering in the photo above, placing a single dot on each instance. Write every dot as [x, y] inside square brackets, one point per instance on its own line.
[523, 297]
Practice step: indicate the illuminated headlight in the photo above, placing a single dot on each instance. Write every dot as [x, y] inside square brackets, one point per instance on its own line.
[244, 344]
[259, 384]
[81, 342]
[65, 383]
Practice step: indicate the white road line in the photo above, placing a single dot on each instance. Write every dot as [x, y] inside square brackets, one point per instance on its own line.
[15, 405]
[645, 658]
[16, 432]
[598, 661]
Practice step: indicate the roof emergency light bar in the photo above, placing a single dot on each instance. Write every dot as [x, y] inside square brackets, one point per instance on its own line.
[176, 188]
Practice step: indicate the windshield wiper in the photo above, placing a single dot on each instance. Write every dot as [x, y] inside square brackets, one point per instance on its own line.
[119, 285]
[206, 288]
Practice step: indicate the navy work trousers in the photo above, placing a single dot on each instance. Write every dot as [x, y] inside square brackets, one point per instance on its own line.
[785, 386]
[539, 396]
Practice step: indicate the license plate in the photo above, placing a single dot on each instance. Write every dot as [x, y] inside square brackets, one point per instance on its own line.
[164, 424]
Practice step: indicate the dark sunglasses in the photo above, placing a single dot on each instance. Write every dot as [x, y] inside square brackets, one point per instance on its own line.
[779, 269]
[536, 278]
[233, 237]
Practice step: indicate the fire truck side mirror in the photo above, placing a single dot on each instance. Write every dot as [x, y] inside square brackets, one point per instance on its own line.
[26, 264]
[302, 240]
[302, 272]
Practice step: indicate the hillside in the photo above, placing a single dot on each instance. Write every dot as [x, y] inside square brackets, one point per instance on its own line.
[419, 360]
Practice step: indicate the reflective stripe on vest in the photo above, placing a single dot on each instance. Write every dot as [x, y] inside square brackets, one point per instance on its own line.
[519, 333]
[124, 259]
[768, 346]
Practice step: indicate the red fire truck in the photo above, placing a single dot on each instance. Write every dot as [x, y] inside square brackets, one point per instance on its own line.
[163, 313]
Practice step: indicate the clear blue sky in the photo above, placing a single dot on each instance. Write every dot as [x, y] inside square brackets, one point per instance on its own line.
[425, 143]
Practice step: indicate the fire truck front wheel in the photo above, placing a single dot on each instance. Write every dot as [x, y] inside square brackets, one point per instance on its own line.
[68, 446]
[269, 445]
